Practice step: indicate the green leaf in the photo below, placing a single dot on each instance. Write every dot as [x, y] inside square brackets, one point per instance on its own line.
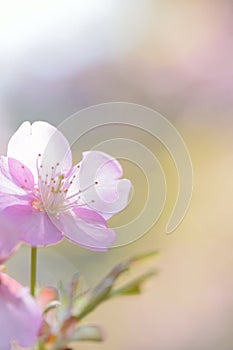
[104, 290]
[135, 286]
[87, 333]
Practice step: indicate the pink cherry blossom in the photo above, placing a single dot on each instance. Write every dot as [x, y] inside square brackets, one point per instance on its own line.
[20, 316]
[44, 198]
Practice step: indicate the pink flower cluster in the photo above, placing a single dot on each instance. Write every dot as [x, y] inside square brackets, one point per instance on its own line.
[43, 198]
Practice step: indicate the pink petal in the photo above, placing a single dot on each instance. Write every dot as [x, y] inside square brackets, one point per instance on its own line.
[33, 226]
[9, 238]
[87, 230]
[13, 285]
[7, 200]
[20, 317]
[7, 182]
[90, 216]
[103, 198]
[21, 175]
[30, 140]
[101, 189]
[99, 166]
[106, 209]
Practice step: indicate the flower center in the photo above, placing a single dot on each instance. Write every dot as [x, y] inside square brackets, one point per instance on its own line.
[53, 195]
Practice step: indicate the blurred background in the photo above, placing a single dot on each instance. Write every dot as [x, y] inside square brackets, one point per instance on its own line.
[57, 57]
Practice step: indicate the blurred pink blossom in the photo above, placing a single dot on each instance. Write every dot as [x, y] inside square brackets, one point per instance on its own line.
[20, 317]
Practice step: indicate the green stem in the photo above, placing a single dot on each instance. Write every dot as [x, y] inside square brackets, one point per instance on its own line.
[33, 270]
[40, 346]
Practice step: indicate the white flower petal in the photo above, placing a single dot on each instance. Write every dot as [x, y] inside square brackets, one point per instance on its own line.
[101, 188]
[30, 140]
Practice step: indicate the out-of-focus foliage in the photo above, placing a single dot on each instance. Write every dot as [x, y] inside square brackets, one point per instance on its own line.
[65, 308]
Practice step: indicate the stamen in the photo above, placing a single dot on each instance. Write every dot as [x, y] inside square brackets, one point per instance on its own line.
[74, 204]
[53, 188]
[61, 178]
[81, 191]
